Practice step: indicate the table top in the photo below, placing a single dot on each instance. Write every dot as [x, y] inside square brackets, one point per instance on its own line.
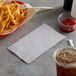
[53, 3]
[11, 65]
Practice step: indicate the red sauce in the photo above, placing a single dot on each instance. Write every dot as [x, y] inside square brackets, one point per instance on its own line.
[68, 25]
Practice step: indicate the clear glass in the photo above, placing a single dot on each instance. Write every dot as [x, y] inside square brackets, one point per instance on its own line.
[67, 69]
[66, 28]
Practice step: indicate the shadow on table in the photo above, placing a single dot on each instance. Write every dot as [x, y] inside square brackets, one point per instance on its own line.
[49, 17]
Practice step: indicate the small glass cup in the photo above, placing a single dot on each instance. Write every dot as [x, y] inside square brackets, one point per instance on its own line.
[66, 27]
[64, 69]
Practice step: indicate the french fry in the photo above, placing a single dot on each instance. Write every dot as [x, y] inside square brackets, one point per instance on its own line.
[1, 14]
[11, 15]
[3, 26]
[1, 3]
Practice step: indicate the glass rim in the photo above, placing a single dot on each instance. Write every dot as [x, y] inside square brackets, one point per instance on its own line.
[63, 65]
[61, 22]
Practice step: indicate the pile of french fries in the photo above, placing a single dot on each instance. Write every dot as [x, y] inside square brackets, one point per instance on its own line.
[11, 15]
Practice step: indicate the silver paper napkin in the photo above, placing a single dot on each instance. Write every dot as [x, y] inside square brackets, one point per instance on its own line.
[36, 43]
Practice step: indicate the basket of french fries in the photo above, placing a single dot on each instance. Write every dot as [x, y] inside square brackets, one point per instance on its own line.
[13, 15]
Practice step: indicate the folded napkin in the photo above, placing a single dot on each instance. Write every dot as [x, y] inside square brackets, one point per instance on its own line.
[36, 43]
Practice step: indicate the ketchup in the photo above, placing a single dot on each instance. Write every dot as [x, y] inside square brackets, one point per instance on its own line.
[68, 25]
